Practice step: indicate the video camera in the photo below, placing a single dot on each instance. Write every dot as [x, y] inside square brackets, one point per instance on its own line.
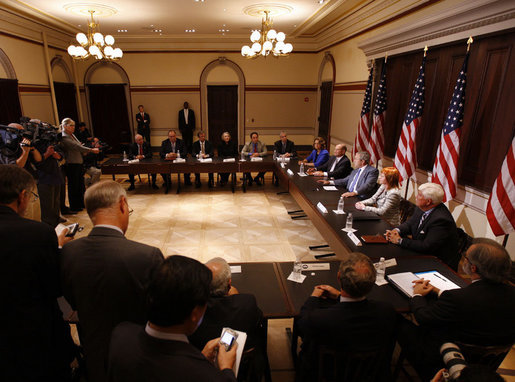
[35, 132]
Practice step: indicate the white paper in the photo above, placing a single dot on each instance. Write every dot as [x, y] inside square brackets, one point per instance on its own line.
[354, 239]
[404, 281]
[235, 268]
[349, 230]
[330, 188]
[206, 160]
[290, 172]
[297, 277]
[283, 159]
[316, 267]
[437, 280]
[283, 165]
[242, 338]
[229, 160]
[339, 213]
[59, 228]
[321, 208]
[256, 159]
[381, 282]
[133, 161]
[390, 263]
[299, 174]
[179, 160]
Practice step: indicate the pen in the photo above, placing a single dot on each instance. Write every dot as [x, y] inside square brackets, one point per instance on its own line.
[441, 278]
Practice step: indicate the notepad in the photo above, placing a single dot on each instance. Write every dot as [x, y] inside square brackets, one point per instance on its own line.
[229, 160]
[330, 188]
[404, 281]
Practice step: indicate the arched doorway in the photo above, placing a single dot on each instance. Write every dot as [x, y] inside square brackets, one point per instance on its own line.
[108, 98]
[10, 106]
[222, 97]
[326, 76]
[65, 92]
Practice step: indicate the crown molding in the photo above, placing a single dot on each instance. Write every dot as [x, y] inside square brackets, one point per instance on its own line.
[458, 21]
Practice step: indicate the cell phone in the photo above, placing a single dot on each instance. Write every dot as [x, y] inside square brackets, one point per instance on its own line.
[72, 229]
[228, 338]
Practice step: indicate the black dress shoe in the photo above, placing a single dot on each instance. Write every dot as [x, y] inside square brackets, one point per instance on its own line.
[258, 181]
[131, 187]
[154, 186]
[197, 184]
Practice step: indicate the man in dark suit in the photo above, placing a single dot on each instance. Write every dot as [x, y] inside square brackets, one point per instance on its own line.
[176, 302]
[227, 308]
[187, 125]
[143, 120]
[203, 149]
[171, 149]
[362, 181]
[346, 320]
[35, 342]
[104, 275]
[432, 227]
[481, 314]
[284, 146]
[337, 167]
[140, 150]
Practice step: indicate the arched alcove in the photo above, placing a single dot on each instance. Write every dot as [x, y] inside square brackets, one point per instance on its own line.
[223, 72]
[326, 78]
[6, 67]
[60, 70]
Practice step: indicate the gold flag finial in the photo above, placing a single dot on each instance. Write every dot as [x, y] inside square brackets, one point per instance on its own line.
[469, 41]
[386, 57]
[425, 50]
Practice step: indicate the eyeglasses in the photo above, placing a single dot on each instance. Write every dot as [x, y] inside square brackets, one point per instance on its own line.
[35, 197]
[130, 210]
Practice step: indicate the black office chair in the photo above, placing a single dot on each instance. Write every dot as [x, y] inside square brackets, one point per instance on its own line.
[363, 366]
[406, 209]
[491, 356]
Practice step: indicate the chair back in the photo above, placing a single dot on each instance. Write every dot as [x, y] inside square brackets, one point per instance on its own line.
[362, 366]
[490, 356]
[406, 209]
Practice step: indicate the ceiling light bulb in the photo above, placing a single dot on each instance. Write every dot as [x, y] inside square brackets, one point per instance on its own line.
[271, 35]
[108, 51]
[256, 47]
[280, 36]
[255, 36]
[98, 38]
[72, 51]
[267, 45]
[288, 48]
[279, 46]
[81, 38]
[118, 53]
[109, 39]
[246, 51]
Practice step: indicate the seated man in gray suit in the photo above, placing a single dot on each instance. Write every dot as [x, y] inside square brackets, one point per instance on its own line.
[104, 275]
[337, 167]
[362, 180]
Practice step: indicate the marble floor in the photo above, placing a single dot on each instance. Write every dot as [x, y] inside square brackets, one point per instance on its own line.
[241, 227]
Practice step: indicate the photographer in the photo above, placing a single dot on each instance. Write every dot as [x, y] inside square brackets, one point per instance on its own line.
[18, 155]
[73, 151]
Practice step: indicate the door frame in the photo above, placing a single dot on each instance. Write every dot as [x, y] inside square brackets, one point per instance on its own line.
[241, 95]
[328, 59]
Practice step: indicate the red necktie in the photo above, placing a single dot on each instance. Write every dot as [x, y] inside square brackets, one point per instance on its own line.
[255, 147]
[140, 149]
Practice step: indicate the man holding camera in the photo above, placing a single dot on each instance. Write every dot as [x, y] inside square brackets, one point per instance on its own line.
[35, 342]
[481, 314]
[20, 156]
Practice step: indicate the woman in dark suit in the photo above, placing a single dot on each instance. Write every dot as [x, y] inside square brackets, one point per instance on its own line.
[318, 156]
[226, 149]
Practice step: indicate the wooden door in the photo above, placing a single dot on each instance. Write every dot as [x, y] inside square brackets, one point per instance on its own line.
[222, 108]
[65, 97]
[324, 119]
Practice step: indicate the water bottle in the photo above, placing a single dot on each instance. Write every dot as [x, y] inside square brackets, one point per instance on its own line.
[297, 267]
[178, 154]
[125, 159]
[275, 154]
[341, 204]
[302, 169]
[380, 269]
[242, 156]
[348, 225]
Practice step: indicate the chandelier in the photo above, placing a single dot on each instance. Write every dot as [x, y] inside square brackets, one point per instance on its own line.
[94, 44]
[266, 42]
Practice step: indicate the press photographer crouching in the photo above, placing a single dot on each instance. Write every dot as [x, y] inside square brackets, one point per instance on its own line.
[16, 146]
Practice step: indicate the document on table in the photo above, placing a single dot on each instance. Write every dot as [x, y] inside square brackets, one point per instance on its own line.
[330, 188]
[404, 281]
[256, 159]
[299, 174]
[229, 160]
[235, 268]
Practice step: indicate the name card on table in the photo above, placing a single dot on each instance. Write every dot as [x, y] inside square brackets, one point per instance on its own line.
[229, 160]
[299, 174]
[330, 188]
[133, 161]
[354, 239]
[179, 160]
[322, 208]
[316, 267]
[389, 263]
[235, 268]
[283, 159]
[290, 172]
[256, 159]
[206, 160]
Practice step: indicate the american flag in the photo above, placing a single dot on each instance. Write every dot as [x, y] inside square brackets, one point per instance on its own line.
[500, 210]
[445, 169]
[406, 155]
[362, 140]
[376, 136]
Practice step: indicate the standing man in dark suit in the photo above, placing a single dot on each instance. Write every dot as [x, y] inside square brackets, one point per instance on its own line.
[284, 147]
[203, 149]
[159, 351]
[140, 150]
[35, 342]
[143, 120]
[227, 308]
[73, 153]
[337, 167]
[345, 320]
[171, 149]
[104, 275]
[432, 227]
[187, 125]
[481, 314]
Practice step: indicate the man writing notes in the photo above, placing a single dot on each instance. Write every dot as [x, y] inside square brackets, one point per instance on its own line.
[143, 120]
[337, 167]
[172, 148]
[187, 125]
[362, 180]
[480, 314]
[432, 227]
[140, 150]
[203, 149]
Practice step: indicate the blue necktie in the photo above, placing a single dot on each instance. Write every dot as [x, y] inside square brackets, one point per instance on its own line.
[354, 181]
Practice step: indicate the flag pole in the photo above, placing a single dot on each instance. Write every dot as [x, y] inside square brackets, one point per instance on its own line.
[505, 241]
[406, 192]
